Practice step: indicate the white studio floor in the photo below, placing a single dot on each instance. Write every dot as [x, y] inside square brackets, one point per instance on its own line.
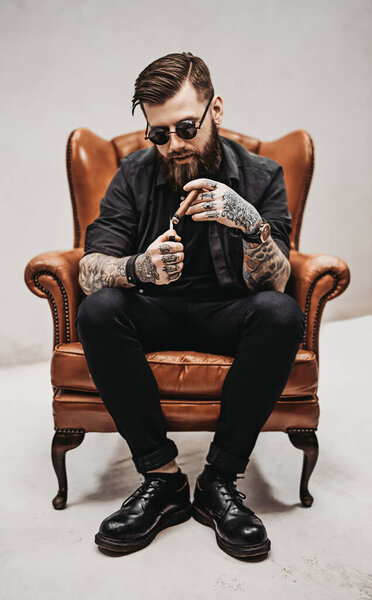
[321, 552]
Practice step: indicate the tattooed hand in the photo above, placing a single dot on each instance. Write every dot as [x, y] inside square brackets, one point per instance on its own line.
[163, 260]
[218, 202]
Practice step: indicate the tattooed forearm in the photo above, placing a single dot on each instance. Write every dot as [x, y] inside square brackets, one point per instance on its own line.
[264, 266]
[98, 270]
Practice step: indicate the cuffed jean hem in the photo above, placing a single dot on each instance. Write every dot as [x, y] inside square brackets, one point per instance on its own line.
[221, 459]
[156, 459]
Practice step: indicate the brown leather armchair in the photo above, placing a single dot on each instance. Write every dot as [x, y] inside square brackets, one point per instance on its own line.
[189, 382]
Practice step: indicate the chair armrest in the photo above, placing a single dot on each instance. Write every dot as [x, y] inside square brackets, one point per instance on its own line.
[55, 275]
[315, 279]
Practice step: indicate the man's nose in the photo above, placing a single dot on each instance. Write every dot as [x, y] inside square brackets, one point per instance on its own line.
[176, 144]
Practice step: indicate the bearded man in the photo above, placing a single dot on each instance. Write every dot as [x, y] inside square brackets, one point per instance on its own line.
[213, 283]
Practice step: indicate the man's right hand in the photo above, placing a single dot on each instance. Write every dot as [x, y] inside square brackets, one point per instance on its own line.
[163, 260]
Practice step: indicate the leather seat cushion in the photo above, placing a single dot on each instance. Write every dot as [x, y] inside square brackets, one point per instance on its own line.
[83, 410]
[180, 373]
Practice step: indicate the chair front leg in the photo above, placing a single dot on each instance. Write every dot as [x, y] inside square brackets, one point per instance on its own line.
[63, 440]
[306, 440]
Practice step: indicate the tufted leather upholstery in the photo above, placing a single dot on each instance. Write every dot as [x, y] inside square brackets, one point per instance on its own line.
[189, 382]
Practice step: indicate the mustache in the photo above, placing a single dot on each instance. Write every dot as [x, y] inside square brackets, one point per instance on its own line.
[180, 155]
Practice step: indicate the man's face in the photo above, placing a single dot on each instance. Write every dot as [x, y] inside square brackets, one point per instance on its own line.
[184, 160]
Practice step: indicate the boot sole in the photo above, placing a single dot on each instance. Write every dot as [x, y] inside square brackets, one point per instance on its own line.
[233, 550]
[166, 521]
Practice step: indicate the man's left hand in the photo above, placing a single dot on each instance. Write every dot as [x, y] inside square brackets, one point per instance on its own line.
[218, 202]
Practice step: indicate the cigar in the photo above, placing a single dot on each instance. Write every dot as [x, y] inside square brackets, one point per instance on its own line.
[185, 205]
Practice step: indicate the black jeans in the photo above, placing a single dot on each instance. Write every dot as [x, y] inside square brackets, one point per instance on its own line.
[262, 331]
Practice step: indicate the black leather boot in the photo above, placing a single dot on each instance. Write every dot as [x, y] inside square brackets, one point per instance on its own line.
[161, 500]
[218, 504]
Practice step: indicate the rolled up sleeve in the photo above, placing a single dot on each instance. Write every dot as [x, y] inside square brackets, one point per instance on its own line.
[114, 231]
[274, 208]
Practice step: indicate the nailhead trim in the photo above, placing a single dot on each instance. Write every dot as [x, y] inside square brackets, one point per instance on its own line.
[322, 300]
[68, 430]
[54, 305]
[304, 429]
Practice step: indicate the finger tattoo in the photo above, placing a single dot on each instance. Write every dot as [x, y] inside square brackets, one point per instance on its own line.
[170, 268]
[164, 248]
[212, 215]
[172, 276]
[209, 205]
[211, 183]
[169, 258]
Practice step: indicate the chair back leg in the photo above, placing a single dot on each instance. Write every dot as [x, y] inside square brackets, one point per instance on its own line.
[306, 440]
[63, 440]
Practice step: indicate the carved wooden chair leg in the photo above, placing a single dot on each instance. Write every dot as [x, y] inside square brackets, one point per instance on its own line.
[306, 440]
[63, 440]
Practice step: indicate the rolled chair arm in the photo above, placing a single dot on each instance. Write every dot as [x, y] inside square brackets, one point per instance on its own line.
[54, 275]
[315, 279]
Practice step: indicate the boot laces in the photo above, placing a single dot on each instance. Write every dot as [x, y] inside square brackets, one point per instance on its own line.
[232, 492]
[146, 490]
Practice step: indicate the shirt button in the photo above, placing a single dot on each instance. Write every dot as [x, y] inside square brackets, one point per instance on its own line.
[140, 291]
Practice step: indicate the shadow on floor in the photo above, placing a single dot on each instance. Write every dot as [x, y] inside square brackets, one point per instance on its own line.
[120, 479]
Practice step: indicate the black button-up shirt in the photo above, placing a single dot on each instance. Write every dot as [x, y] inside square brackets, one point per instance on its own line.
[138, 204]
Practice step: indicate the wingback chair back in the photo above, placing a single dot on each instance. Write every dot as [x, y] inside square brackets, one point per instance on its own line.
[92, 162]
[189, 382]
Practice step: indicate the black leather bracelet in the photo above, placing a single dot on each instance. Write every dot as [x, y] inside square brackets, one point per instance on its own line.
[130, 270]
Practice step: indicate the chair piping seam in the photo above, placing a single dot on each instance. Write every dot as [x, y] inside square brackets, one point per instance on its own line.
[54, 305]
[72, 190]
[306, 191]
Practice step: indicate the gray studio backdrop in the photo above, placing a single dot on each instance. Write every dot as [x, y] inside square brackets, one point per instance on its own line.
[278, 65]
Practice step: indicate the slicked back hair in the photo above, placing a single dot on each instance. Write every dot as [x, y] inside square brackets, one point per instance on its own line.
[165, 76]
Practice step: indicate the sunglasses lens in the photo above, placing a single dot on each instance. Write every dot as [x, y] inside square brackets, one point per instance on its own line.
[186, 130]
[158, 136]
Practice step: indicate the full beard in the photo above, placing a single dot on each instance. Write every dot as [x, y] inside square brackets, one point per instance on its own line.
[205, 164]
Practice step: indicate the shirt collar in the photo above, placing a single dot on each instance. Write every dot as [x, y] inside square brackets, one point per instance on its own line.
[228, 157]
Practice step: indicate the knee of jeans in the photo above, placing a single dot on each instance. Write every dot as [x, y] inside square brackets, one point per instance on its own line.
[278, 310]
[101, 308]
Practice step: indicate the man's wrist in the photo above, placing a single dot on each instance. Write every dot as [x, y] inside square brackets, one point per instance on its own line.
[254, 229]
[130, 270]
[261, 234]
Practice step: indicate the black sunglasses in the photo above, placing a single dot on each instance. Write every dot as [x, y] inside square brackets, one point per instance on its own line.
[184, 129]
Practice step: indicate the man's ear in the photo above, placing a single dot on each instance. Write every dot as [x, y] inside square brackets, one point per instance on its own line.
[217, 110]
